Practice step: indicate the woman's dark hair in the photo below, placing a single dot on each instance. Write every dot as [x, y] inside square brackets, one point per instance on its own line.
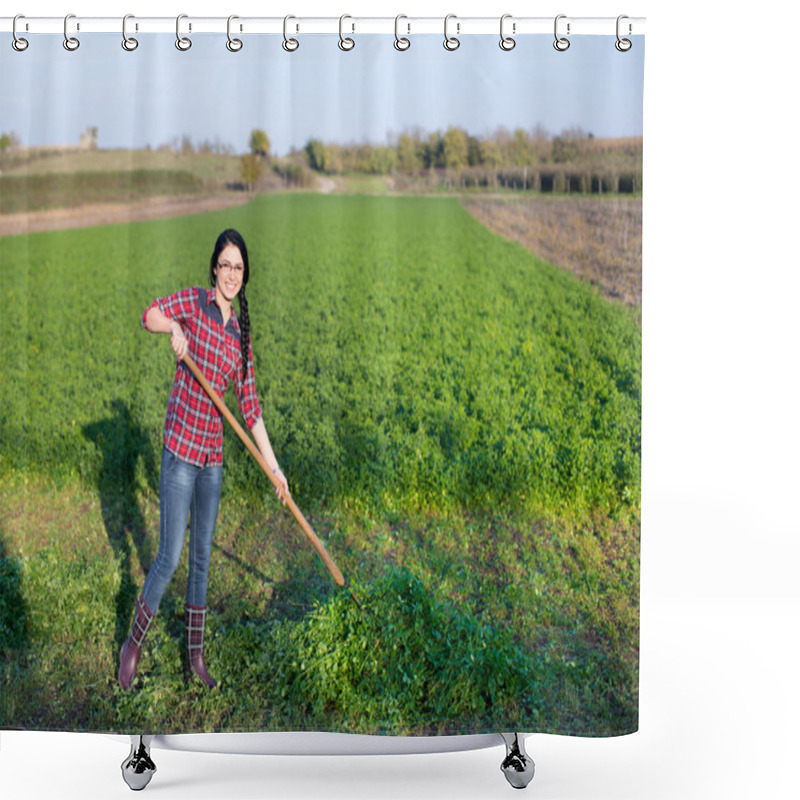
[230, 236]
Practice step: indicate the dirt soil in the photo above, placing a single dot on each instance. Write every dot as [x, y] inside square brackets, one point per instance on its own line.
[86, 216]
[598, 239]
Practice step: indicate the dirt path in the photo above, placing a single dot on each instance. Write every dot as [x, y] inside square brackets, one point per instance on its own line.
[325, 185]
[90, 215]
[111, 213]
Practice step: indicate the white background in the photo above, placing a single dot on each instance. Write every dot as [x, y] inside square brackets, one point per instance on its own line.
[720, 609]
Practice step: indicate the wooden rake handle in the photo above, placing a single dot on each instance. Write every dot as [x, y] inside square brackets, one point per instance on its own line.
[255, 452]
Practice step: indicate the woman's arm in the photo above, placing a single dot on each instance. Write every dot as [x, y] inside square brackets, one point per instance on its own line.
[259, 431]
[157, 321]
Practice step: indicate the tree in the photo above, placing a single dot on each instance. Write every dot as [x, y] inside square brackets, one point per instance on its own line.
[432, 151]
[332, 161]
[8, 141]
[455, 146]
[383, 160]
[522, 152]
[315, 150]
[569, 146]
[5, 143]
[408, 157]
[250, 170]
[490, 153]
[474, 151]
[259, 143]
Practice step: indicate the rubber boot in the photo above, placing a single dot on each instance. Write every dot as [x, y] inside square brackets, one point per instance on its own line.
[195, 657]
[132, 647]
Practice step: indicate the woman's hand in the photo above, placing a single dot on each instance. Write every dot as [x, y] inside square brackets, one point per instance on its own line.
[178, 341]
[282, 489]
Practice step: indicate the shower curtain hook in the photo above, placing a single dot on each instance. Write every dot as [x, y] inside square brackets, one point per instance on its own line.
[451, 42]
[70, 42]
[561, 44]
[290, 45]
[345, 43]
[182, 42]
[128, 42]
[507, 42]
[19, 44]
[400, 42]
[234, 45]
[623, 45]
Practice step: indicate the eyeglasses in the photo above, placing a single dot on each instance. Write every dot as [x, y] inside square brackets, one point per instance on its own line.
[236, 269]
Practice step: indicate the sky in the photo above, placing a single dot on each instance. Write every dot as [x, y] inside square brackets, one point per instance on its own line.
[156, 94]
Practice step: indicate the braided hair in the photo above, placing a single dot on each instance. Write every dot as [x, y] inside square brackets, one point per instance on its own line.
[230, 236]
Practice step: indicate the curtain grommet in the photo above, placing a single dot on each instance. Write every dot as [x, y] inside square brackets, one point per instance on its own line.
[451, 43]
[345, 42]
[71, 43]
[128, 42]
[289, 44]
[234, 45]
[561, 43]
[183, 43]
[507, 43]
[18, 43]
[623, 45]
[401, 43]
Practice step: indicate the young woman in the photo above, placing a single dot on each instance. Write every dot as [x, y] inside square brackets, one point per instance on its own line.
[202, 323]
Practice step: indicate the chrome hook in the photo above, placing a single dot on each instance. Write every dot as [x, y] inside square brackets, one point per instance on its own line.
[345, 43]
[19, 44]
[507, 42]
[451, 42]
[400, 42]
[234, 45]
[70, 42]
[182, 42]
[128, 42]
[290, 45]
[623, 45]
[561, 43]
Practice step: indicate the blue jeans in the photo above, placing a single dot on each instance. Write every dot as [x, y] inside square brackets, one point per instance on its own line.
[187, 492]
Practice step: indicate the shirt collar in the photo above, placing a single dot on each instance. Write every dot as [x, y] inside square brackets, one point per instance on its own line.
[211, 297]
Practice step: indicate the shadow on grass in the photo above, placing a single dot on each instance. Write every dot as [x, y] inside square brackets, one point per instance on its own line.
[13, 632]
[14, 640]
[122, 444]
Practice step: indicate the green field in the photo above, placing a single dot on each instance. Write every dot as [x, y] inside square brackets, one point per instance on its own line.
[459, 420]
[37, 192]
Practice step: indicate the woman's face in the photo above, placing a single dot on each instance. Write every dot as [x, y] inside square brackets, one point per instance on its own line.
[229, 272]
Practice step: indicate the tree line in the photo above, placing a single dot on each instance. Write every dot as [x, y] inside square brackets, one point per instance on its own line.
[466, 159]
[455, 149]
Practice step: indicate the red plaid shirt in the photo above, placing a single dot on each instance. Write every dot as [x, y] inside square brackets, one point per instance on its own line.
[193, 428]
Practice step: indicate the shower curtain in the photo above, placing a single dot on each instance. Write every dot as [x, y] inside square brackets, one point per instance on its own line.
[444, 303]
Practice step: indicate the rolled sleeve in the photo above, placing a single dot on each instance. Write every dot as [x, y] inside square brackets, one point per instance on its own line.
[179, 306]
[247, 396]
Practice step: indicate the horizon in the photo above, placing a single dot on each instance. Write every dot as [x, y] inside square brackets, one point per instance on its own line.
[365, 96]
[421, 135]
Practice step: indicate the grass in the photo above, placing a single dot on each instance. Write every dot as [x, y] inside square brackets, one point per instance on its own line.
[458, 420]
[363, 184]
[205, 166]
[35, 192]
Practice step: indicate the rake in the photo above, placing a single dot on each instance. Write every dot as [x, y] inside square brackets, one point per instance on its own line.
[254, 451]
